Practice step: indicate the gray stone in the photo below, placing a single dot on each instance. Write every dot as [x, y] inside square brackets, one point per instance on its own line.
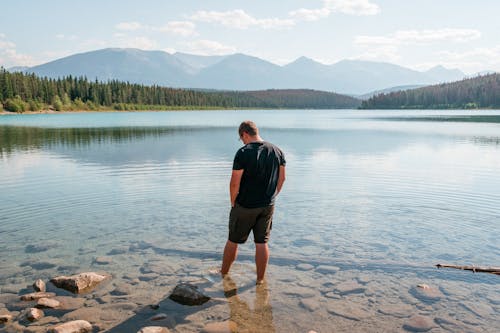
[346, 310]
[349, 287]
[154, 329]
[304, 267]
[79, 283]
[418, 323]
[36, 248]
[36, 296]
[76, 326]
[103, 260]
[310, 304]
[34, 314]
[188, 294]
[324, 269]
[426, 293]
[48, 303]
[115, 251]
[400, 310]
[149, 277]
[39, 285]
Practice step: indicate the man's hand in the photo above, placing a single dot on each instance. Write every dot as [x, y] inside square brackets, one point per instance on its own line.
[234, 185]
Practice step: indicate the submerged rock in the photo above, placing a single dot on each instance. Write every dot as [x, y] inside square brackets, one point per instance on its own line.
[426, 293]
[418, 323]
[103, 260]
[76, 326]
[39, 285]
[349, 287]
[188, 294]
[79, 283]
[227, 326]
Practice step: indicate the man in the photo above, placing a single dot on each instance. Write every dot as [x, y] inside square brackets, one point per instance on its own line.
[257, 178]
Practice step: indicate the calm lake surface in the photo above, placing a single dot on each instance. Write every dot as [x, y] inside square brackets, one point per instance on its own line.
[373, 200]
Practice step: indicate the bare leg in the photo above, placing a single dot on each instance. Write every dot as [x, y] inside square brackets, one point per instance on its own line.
[230, 253]
[261, 258]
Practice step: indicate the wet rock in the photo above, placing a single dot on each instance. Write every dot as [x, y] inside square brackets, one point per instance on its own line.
[125, 306]
[227, 326]
[36, 296]
[154, 329]
[38, 265]
[138, 246]
[418, 323]
[343, 309]
[36, 248]
[159, 267]
[149, 277]
[8, 298]
[103, 260]
[49, 303]
[426, 293]
[120, 250]
[89, 314]
[70, 303]
[304, 267]
[324, 269]
[399, 310]
[349, 287]
[302, 292]
[123, 289]
[76, 326]
[39, 285]
[34, 314]
[159, 316]
[5, 318]
[188, 294]
[310, 304]
[79, 283]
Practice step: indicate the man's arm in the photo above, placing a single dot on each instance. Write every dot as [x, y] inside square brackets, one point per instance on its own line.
[234, 185]
[281, 179]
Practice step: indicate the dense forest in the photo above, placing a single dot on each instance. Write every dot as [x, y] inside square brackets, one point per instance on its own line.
[473, 93]
[21, 92]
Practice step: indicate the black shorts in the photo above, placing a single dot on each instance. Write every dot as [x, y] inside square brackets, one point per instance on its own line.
[243, 220]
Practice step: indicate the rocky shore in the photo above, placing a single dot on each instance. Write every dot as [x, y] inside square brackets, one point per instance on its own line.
[142, 289]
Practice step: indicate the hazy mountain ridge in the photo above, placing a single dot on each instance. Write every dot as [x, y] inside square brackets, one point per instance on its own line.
[239, 72]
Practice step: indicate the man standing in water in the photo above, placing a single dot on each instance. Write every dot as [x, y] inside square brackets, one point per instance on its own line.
[257, 177]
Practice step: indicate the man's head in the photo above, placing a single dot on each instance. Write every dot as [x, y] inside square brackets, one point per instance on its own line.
[249, 128]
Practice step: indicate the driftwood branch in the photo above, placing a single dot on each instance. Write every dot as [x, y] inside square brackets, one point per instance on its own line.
[475, 269]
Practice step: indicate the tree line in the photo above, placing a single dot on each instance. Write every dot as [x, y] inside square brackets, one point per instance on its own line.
[21, 92]
[471, 93]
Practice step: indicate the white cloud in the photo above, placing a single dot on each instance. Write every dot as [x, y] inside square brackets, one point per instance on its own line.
[10, 57]
[143, 43]
[404, 37]
[310, 14]
[128, 26]
[66, 37]
[239, 19]
[474, 60]
[352, 7]
[208, 47]
[180, 28]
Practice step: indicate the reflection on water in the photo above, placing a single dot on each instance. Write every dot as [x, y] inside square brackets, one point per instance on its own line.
[256, 318]
[370, 205]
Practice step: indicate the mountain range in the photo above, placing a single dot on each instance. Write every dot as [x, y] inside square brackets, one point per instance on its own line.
[239, 72]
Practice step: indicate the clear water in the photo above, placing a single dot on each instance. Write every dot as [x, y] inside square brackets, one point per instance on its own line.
[382, 196]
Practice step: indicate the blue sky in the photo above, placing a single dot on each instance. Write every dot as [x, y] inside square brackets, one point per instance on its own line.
[414, 33]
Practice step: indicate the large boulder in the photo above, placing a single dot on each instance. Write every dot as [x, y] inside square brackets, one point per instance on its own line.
[80, 283]
[187, 294]
[76, 326]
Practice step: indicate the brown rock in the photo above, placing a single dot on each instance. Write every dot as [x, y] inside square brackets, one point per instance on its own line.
[39, 285]
[70, 303]
[418, 323]
[48, 303]
[76, 326]
[37, 295]
[427, 293]
[79, 283]
[34, 314]
[227, 326]
[4, 318]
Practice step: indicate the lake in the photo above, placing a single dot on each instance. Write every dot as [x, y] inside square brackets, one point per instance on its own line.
[373, 200]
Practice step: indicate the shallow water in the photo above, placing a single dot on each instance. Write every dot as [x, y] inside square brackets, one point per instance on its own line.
[372, 201]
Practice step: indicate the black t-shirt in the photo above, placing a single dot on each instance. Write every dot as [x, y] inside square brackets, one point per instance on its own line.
[261, 164]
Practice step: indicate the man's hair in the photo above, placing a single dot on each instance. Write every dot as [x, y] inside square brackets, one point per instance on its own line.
[249, 127]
